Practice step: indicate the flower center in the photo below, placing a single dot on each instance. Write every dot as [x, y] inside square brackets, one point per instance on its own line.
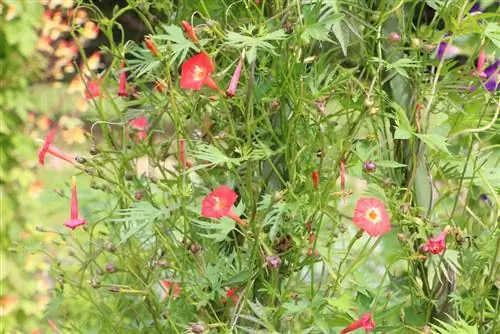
[373, 215]
[199, 73]
[218, 203]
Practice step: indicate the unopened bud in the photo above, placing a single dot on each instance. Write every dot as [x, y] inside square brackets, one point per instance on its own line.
[95, 282]
[114, 289]
[197, 328]
[139, 195]
[195, 249]
[394, 37]
[93, 150]
[80, 160]
[162, 263]
[110, 268]
[273, 261]
[110, 247]
[369, 166]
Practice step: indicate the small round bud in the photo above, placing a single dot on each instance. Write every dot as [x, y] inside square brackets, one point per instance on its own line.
[80, 159]
[273, 261]
[195, 249]
[402, 237]
[110, 268]
[139, 195]
[369, 166]
[197, 328]
[394, 37]
[128, 176]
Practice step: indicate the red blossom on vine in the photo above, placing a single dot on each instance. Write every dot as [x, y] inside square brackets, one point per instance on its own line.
[197, 72]
[74, 220]
[371, 216]
[218, 204]
[366, 322]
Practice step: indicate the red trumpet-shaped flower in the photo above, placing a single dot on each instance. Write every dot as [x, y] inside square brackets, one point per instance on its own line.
[122, 82]
[366, 322]
[197, 72]
[51, 149]
[74, 221]
[188, 29]
[235, 79]
[436, 245]
[182, 153]
[218, 204]
[141, 125]
[371, 216]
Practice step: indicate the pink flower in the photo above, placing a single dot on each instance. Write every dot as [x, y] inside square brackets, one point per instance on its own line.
[167, 286]
[92, 90]
[371, 216]
[197, 72]
[140, 123]
[49, 148]
[230, 293]
[366, 322]
[122, 82]
[235, 79]
[74, 221]
[218, 204]
[436, 245]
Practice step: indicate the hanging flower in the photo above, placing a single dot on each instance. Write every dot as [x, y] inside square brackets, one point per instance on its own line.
[235, 79]
[93, 90]
[151, 46]
[122, 82]
[218, 204]
[168, 285]
[74, 221]
[366, 322]
[188, 29]
[315, 179]
[196, 72]
[141, 125]
[49, 148]
[371, 216]
[436, 245]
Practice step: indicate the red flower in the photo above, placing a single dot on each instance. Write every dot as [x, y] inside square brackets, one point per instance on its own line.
[49, 148]
[218, 204]
[122, 83]
[188, 29]
[315, 179]
[196, 72]
[371, 216]
[231, 293]
[366, 322]
[436, 245]
[167, 285]
[151, 46]
[92, 90]
[235, 79]
[74, 221]
[140, 123]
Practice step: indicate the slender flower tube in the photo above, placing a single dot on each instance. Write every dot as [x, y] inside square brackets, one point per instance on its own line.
[235, 79]
[218, 204]
[122, 83]
[366, 322]
[182, 153]
[74, 221]
[188, 29]
[342, 175]
[315, 179]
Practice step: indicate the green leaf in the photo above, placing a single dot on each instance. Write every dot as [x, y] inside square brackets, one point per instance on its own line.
[253, 43]
[342, 35]
[492, 31]
[435, 142]
[241, 277]
[320, 30]
[402, 134]
[389, 164]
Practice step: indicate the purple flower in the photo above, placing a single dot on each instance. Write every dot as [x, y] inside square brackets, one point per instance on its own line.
[446, 51]
[492, 75]
[476, 8]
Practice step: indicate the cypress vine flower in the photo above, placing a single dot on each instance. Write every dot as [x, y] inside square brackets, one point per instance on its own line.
[218, 204]
[235, 79]
[188, 29]
[366, 322]
[92, 90]
[315, 179]
[151, 46]
[74, 220]
[436, 245]
[51, 149]
[197, 72]
[370, 215]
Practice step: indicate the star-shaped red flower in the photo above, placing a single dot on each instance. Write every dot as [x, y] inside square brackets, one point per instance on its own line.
[197, 72]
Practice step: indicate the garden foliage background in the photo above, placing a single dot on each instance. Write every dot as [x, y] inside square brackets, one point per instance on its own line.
[307, 109]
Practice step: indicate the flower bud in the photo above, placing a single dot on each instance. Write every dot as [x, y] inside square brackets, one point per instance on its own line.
[162, 263]
[110, 247]
[110, 268]
[139, 195]
[93, 150]
[369, 166]
[273, 261]
[114, 289]
[394, 37]
[197, 328]
[95, 282]
[80, 160]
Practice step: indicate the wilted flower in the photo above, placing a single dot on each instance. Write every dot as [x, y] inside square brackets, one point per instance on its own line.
[74, 221]
[196, 72]
[371, 216]
[197, 328]
[218, 204]
[188, 29]
[182, 153]
[369, 166]
[366, 322]
[235, 79]
[436, 245]
[167, 285]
